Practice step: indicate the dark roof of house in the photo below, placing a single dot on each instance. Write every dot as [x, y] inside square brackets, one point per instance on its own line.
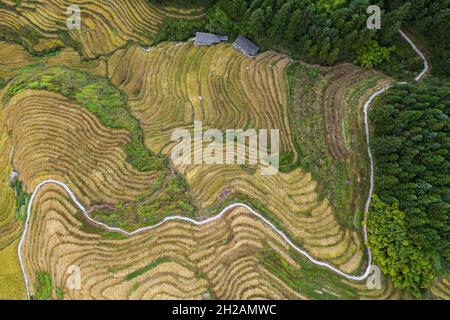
[246, 46]
[204, 38]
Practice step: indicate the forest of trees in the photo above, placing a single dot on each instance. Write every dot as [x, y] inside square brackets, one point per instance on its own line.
[409, 227]
[324, 31]
[431, 19]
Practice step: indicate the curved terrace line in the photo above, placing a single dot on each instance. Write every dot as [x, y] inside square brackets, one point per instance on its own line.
[361, 277]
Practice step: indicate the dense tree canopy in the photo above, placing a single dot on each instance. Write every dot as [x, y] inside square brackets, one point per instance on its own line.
[430, 19]
[409, 266]
[411, 144]
[324, 31]
[317, 31]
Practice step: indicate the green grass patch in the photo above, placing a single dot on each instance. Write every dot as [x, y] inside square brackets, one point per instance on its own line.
[27, 37]
[171, 199]
[113, 236]
[134, 288]
[147, 268]
[85, 225]
[59, 294]
[105, 234]
[310, 280]
[357, 220]
[22, 199]
[42, 286]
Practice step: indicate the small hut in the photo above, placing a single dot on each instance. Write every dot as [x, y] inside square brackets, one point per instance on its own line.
[246, 46]
[208, 39]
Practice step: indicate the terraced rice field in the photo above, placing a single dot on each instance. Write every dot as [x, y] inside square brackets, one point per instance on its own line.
[224, 259]
[10, 226]
[107, 25]
[47, 135]
[13, 56]
[172, 85]
[293, 202]
[11, 281]
[98, 172]
[83, 152]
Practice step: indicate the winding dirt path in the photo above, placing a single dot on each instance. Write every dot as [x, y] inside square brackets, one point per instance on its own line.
[426, 65]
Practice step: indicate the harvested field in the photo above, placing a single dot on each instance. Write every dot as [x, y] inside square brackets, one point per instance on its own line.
[83, 153]
[12, 56]
[224, 259]
[10, 226]
[172, 85]
[292, 202]
[71, 59]
[11, 281]
[107, 25]
[12, 286]
[47, 132]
